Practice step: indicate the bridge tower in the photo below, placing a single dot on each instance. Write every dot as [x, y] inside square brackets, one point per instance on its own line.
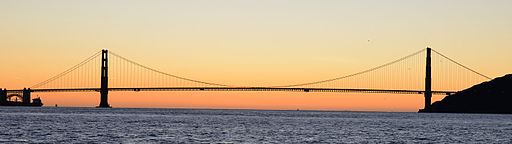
[104, 80]
[3, 96]
[26, 96]
[428, 80]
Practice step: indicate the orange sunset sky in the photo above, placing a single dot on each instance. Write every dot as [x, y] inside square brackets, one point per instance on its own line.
[256, 42]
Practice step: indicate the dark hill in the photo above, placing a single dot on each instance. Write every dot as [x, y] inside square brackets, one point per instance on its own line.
[494, 96]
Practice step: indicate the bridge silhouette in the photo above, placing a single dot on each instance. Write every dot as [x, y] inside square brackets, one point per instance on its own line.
[411, 74]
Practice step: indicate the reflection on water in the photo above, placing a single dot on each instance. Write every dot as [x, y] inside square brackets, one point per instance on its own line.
[90, 125]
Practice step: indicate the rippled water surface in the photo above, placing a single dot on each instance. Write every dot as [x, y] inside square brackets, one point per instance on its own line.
[90, 125]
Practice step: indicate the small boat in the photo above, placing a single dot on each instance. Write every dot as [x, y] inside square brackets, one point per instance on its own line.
[36, 102]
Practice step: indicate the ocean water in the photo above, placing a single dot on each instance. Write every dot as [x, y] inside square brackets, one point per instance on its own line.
[119, 125]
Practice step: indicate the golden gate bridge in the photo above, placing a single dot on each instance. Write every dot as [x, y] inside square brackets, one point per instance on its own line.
[426, 72]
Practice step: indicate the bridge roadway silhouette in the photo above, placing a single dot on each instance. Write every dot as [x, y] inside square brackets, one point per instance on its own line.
[239, 89]
[104, 89]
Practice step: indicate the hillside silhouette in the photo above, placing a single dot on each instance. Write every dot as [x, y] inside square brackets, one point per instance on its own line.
[493, 96]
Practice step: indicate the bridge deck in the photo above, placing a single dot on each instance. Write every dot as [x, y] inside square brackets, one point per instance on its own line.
[241, 89]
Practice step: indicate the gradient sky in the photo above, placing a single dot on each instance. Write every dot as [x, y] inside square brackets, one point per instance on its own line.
[255, 42]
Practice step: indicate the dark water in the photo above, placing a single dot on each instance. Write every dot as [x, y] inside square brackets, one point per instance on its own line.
[90, 125]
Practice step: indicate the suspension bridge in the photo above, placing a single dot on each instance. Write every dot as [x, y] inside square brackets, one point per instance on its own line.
[106, 71]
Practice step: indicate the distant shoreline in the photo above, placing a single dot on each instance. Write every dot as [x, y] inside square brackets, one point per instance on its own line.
[242, 109]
